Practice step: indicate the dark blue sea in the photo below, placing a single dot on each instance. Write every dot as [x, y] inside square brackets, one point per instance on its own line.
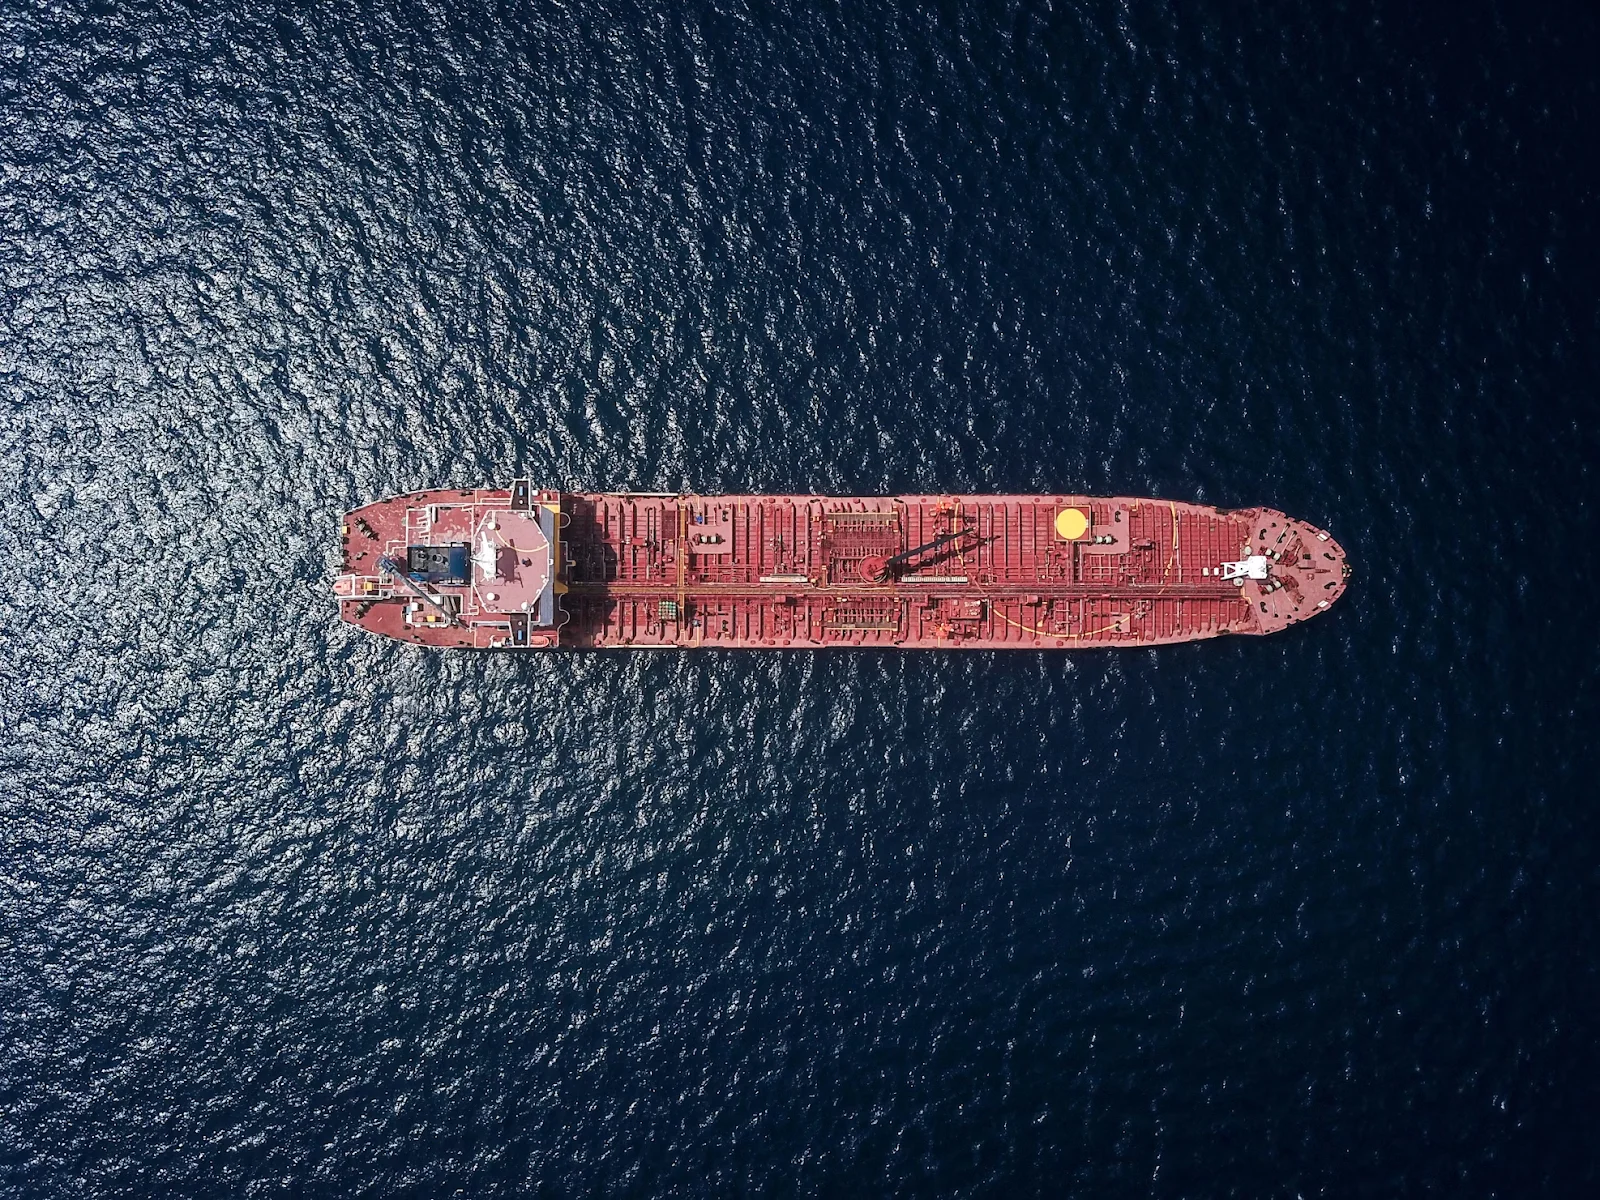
[289, 911]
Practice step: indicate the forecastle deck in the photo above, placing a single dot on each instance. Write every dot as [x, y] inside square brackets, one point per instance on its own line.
[519, 569]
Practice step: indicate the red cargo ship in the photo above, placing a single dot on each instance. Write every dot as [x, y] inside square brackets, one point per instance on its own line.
[515, 568]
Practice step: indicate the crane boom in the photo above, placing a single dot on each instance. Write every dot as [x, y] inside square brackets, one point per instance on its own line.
[399, 572]
[903, 559]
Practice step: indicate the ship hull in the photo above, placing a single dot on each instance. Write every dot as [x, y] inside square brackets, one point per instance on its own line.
[512, 568]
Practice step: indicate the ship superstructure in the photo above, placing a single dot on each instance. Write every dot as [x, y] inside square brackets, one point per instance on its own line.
[516, 568]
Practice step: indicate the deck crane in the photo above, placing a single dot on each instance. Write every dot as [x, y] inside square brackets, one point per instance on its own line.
[881, 570]
[399, 572]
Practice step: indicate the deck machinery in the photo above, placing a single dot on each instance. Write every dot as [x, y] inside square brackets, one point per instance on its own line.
[516, 568]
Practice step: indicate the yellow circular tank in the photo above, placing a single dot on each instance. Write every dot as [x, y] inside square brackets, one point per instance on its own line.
[1072, 524]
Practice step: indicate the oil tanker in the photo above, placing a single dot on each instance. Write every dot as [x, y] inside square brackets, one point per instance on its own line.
[520, 569]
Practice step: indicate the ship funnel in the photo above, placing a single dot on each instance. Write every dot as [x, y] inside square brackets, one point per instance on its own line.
[485, 559]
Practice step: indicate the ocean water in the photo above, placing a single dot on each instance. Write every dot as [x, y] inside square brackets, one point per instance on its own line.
[288, 911]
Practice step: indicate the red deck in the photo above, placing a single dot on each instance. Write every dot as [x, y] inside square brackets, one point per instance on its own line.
[515, 568]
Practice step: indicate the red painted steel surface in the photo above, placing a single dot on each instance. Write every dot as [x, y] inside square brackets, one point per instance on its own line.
[630, 570]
